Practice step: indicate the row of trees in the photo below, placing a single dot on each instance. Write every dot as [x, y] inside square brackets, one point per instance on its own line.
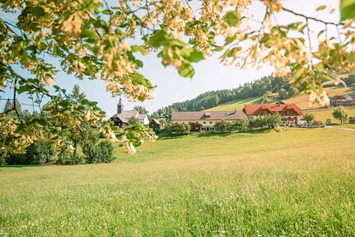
[224, 126]
[180, 128]
[269, 121]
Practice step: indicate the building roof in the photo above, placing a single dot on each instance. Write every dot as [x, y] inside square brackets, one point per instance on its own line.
[342, 97]
[250, 109]
[126, 115]
[211, 115]
[141, 116]
[156, 121]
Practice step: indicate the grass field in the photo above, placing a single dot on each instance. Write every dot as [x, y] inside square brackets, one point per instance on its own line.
[299, 182]
[324, 114]
[236, 104]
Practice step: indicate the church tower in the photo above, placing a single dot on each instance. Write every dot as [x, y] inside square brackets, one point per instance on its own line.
[120, 106]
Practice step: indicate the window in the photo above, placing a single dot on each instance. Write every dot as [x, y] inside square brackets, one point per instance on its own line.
[204, 122]
[210, 122]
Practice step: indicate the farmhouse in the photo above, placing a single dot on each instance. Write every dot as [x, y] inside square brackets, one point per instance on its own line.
[155, 125]
[290, 113]
[205, 121]
[342, 100]
[122, 117]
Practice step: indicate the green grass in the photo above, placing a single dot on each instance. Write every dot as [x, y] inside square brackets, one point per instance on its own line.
[236, 104]
[296, 182]
[324, 114]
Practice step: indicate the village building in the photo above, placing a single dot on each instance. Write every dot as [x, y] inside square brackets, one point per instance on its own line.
[204, 121]
[155, 125]
[342, 100]
[290, 113]
[122, 117]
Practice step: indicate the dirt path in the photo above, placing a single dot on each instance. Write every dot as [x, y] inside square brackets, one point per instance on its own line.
[347, 129]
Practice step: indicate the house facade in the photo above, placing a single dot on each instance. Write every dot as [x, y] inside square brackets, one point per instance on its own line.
[204, 121]
[342, 100]
[122, 117]
[290, 113]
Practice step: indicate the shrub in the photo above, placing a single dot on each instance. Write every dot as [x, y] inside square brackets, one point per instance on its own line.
[328, 121]
[2, 161]
[38, 153]
[100, 153]
[180, 128]
[309, 117]
[352, 120]
[68, 158]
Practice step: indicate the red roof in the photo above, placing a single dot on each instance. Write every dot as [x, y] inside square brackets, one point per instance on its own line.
[252, 109]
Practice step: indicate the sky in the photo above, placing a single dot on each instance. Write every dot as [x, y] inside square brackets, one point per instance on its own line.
[209, 75]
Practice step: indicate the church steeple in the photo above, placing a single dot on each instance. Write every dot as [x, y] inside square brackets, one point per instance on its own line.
[120, 106]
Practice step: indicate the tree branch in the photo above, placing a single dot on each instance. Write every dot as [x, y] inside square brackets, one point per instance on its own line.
[314, 19]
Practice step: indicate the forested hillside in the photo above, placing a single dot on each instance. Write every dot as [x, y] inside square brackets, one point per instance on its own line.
[262, 88]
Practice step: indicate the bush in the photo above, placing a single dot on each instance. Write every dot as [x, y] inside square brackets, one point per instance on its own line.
[328, 121]
[180, 128]
[100, 153]
[68, 158]
[2, 161]
[352, 120]
[37, 153]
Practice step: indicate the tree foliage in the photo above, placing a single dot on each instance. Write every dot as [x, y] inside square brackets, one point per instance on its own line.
[180, 128]
[309, 117]
[140, 109]
[269, 120]
[89, 39]
[340, 114]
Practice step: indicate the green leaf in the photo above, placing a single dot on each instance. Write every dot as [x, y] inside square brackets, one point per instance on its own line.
[192, 55]
[232, 18]
[158, 39]
[2, 26]
[320, 8]
[218, 48]
[195, 56]
[347, 9]
[229, 40]
[138, 48]
[37, 11]
[187, 71]
[22, 89]
[107, 12]
[139, 63]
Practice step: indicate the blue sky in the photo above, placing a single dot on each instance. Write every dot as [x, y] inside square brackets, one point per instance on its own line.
[210, 74]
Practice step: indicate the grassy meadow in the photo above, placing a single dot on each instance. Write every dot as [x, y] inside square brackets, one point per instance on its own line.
[298, 182]
[324, 114]
[236, 104]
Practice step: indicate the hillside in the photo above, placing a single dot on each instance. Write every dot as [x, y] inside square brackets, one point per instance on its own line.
[300, 100]
[236, 104]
